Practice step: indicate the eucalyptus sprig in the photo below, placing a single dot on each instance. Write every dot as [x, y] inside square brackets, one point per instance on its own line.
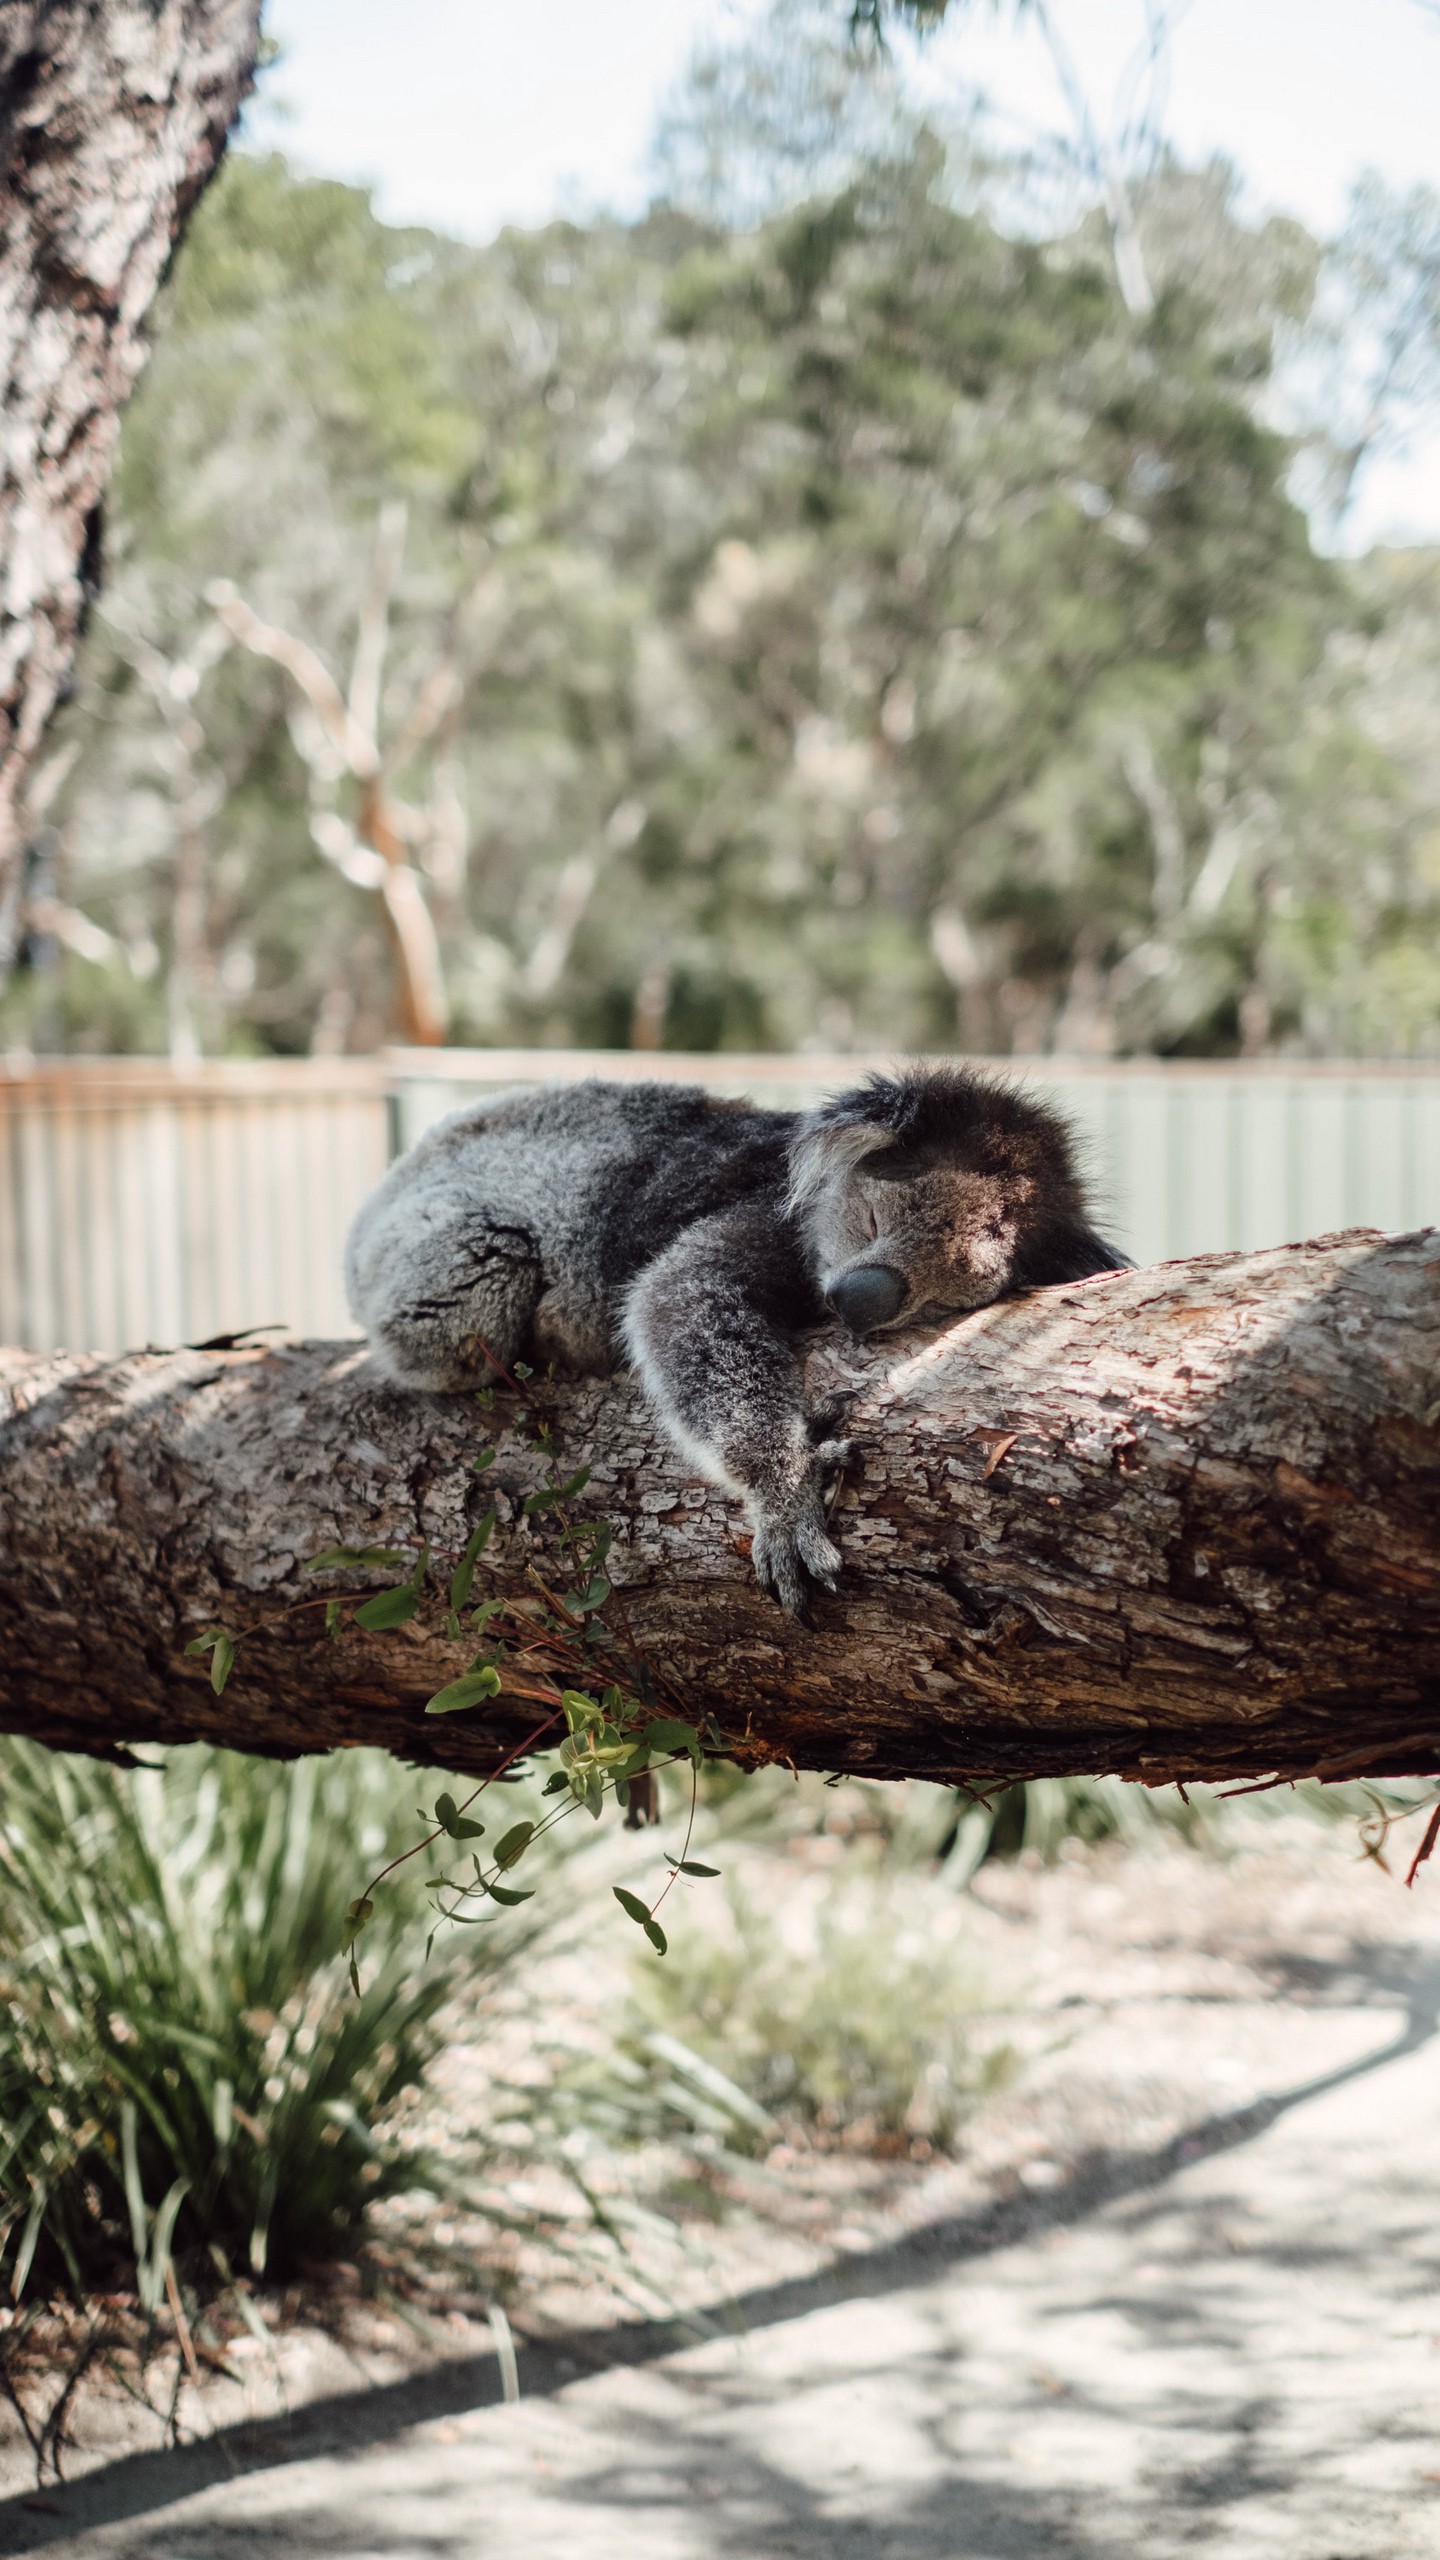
[556, 1647]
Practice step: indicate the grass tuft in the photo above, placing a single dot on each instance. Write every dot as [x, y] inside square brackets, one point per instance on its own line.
[184, 2071]
[855, 2023]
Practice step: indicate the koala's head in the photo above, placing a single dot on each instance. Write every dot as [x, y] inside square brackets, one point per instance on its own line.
[937, 1191]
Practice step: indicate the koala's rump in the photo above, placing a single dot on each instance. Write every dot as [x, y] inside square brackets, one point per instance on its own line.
[575, 1188]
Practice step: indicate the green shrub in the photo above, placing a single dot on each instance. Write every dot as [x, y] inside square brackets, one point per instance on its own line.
[1040, 1814]
[857, 2023]
[183, 2067]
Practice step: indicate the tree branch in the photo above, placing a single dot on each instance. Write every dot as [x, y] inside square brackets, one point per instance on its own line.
[1178, 1523]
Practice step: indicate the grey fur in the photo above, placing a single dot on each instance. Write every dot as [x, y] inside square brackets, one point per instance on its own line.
[702, 1240]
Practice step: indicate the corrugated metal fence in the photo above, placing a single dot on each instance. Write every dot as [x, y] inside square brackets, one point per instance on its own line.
[144, 1203]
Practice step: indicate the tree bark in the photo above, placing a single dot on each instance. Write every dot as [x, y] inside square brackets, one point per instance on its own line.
[113, 114]
[1179, 1523]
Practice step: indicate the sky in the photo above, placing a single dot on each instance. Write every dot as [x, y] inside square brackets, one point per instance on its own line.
[489, 114]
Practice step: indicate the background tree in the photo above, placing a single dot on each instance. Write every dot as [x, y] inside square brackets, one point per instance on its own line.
[112, 118]
[1370, 359]
[865, 628]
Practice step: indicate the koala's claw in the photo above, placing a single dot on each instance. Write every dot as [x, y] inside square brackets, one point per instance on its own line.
[826, 1412]
[832, 1457]
[790, 1555]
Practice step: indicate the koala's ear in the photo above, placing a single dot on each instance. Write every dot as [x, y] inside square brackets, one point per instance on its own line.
[1074, 1253]
[829, 1143]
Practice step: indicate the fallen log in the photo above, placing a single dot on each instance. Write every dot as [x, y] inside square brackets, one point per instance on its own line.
[1176, 1523]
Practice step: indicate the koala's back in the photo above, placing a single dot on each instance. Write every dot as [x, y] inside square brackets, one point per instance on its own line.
[556, 1198]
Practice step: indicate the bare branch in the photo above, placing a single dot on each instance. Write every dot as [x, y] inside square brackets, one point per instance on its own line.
[373, 631]
[299, 660]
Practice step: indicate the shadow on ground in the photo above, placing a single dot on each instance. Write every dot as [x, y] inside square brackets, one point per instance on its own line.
[753, 2508]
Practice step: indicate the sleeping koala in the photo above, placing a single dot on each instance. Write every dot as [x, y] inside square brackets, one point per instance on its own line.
[702, 1240]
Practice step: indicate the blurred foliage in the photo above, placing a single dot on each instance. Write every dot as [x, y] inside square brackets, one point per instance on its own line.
[849, 2014]
[867, 631]
[1041, 1814]
[183, 2068]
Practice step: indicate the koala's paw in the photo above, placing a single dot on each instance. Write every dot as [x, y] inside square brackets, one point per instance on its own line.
[791, 1553]
[832, 1457]
[827, 1413]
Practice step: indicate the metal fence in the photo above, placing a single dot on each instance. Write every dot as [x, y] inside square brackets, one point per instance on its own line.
[144, 1203]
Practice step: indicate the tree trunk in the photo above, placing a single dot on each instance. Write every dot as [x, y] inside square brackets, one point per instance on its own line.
[113, 114]
[1180, 1523]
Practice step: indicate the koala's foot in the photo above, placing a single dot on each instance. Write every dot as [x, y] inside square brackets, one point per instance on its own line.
[790, 1555]
[792, 1547]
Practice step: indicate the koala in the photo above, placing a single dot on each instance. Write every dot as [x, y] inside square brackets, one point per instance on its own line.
[702, 1241]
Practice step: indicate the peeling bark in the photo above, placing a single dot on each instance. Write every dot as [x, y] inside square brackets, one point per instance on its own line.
[1182, 1522]
[113, 114]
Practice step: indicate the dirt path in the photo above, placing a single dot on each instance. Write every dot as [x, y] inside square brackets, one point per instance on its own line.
[1225, 2340]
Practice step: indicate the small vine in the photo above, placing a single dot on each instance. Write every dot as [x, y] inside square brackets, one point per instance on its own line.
[557, 1648]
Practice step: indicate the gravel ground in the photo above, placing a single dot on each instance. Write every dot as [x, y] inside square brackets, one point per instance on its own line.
[1182, 2293]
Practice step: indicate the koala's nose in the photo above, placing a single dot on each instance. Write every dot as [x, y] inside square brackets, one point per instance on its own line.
[871, 1296]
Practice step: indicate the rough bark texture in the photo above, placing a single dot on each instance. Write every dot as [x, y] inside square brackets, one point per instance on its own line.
[113, 114]
[1182, 1522]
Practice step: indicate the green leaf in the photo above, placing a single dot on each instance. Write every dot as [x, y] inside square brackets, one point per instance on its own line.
[485, 1459]
[334, 1618]
[573, 1485]
[464, 1573]
[540, 1501]
[581, 1713]
[522, 1369]
[671, 1733]
[393, 1608]
[657, 1937]
[511, 1894]
[556, 1784]
[468, 1691]
[448, 1815]
[347, 1559]
[513, 1844]
[691, 1867]
[594, 1596]
[220, 1645]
